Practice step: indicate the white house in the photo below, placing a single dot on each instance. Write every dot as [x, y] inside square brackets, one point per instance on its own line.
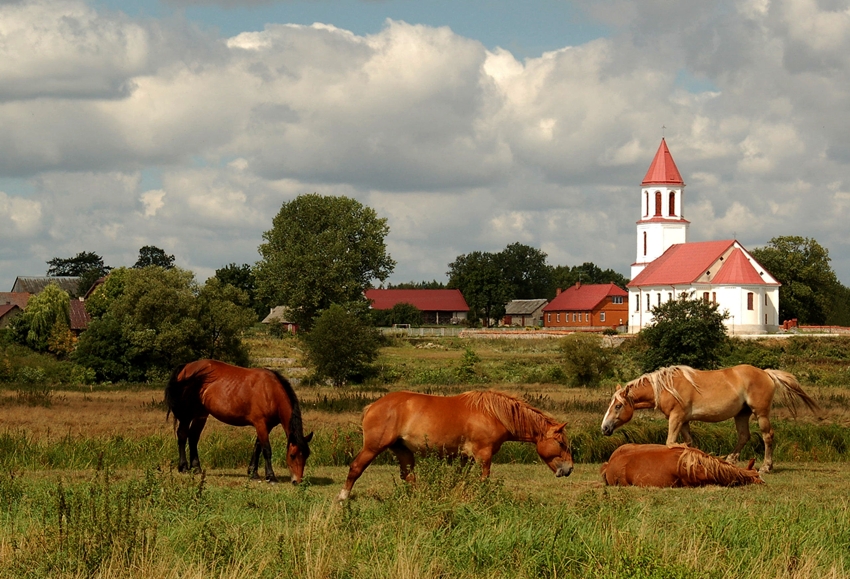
[722, 272]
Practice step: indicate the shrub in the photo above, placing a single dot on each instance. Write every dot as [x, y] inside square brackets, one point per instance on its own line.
[340, 345]
[586, 362]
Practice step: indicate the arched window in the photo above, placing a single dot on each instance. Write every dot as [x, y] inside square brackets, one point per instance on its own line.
[646, 203]
[644, 242]
[658, 203]
[671, 210]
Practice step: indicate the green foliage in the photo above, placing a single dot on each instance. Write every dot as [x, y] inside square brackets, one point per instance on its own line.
[151, 255]
[525, 270]
[809, 285]
[684, 331]
[47, 314]
[340, 345]
[400, 313]
[479, 277]
[564, 276]
[586, 361]
[86, 265]
[433, 284]
[466, 370]
[148, 320]
[321, 250]
[242, 277]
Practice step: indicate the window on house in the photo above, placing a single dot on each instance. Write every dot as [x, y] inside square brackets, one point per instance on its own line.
[749, 300]
[548, 318]
[659, 299]
[648, 305]
[672, 204]
[558, 317]
[705, 297]
[658, 203]
[574, 316]
[637, 302]
[669, 296]
[586, 317]
[714, 297]
[617, 300]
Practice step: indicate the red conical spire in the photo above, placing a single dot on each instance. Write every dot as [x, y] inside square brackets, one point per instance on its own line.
[663, 169]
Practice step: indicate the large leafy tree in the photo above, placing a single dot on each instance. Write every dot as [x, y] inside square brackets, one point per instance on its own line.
[526, 271]
[685, 331]
[564, 276]
[46, 319]
[153, 255]
[479, 277]
[809, 285]
[321, 250]
[86, 265]
[148, 320]
[243, 278]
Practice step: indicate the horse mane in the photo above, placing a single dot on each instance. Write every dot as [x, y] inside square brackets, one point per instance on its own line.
[296, 426]
[662, 380]
[517, 416]
[699, 466]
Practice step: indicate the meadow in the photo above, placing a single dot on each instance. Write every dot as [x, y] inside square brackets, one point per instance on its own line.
[88, 486]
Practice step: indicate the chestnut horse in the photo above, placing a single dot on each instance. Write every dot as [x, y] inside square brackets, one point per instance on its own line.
[657, 465]
[240, 397]
[684, 394]
[472, 424]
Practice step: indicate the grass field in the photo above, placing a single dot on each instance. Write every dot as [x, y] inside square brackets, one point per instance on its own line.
[88, 489]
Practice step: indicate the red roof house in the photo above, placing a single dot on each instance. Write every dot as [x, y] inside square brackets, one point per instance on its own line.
[438, 306]
[591, 306]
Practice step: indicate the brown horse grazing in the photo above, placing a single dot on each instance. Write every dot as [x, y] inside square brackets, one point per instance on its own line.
[684, 394]
[239, 397]
[657, 465]
[472, 424]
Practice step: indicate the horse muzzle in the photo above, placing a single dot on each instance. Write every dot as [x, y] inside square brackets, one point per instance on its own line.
[565, 469]
[607, 429]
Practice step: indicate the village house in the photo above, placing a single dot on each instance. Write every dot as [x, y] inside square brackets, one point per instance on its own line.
[438, 306]
[524, 312]
[588, 307]
[722, 272]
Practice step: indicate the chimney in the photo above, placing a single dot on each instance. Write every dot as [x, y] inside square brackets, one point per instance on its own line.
[578, 284]
[558, 291]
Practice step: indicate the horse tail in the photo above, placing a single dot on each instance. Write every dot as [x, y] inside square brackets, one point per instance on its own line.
[182, 394]
[792, 391]
[295, 428]
[604, 472]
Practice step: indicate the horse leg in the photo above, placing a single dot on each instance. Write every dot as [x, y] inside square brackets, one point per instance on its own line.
[182, 436]
[266, 447]
[675, 422]
[686, 434]
[742, 425]
[767, 435]
[484, 457]
[363, 459]
[254, 465]
[406, 461]
[195, 430]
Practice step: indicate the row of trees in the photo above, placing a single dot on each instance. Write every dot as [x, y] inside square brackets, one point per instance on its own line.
[89, 266]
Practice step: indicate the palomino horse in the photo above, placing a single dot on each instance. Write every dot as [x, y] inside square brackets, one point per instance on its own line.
[657, 465]
[472, 424]
[239, 397]
[684, 394]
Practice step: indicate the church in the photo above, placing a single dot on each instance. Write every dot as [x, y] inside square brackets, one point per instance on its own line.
[666, 265]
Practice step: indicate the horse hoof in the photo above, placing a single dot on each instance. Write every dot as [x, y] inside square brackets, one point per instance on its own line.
[271, 479]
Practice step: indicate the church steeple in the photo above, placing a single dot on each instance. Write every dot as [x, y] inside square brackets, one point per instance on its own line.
[662, 222]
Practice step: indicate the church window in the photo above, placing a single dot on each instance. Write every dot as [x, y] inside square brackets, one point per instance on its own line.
[765, 299]
[672, 204]
[749, 300]
[714, 297]
[765, 319]
[658, 203]
[659, 299]
[637, 303]
[648, 304]
[646, 203]
[705, 297]
[644, 242]
[669, 296]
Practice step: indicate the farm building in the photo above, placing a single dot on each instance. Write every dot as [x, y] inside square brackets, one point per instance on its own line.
[438, 306]
[722, 272]
[25, 287]
[524, 312]
[588, 307]
[35, 284]
[8, 312]
[280, 315]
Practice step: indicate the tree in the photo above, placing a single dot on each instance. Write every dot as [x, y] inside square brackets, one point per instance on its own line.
[340, 345]
[224, 311]
[86, 265]
[433, 284]
[478, 276]
[152, 255]
[586, 361]
[685, 331]
[400, 313]
[564, 276]
[321, 250]
[243, 278]
[809, 285]
[526, 272]
[46, 318]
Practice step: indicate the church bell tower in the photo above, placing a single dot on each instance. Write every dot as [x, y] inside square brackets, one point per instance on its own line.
[662, 222]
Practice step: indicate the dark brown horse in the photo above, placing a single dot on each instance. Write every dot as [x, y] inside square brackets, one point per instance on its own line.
[240, 397]
[658, 465]
[684, 394]
[473, 424]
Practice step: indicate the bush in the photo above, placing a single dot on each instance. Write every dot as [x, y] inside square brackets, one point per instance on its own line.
[340, 345]
[586, 362]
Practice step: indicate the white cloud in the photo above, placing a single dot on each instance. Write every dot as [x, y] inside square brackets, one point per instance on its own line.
[22, 216]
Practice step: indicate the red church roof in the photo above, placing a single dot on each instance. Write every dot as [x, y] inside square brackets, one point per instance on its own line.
[426, 300]
[583, 297]
[688, 263]
[663, 170]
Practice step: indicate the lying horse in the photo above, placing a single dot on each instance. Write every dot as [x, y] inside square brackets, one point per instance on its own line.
[239, 397]
[684, 394]
[657, 465]
[473, 424]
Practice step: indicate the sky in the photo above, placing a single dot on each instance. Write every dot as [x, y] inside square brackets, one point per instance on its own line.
[468, 125]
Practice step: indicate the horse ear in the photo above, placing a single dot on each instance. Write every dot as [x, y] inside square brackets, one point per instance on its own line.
[561, 427]
[309, 437]
[751, 464]
[619, 387]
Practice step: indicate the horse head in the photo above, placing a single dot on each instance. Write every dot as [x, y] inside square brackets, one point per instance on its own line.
[620, 411]
[554, 449]
[297, 452]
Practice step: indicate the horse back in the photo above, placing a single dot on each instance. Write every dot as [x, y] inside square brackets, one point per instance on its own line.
[643, 465]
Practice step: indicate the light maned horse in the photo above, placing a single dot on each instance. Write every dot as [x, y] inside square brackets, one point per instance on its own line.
[657, 465]
[472, 424]
[240, 397]
[684, 394]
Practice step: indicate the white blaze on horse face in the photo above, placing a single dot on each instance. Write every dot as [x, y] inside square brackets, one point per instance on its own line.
[611, 420]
